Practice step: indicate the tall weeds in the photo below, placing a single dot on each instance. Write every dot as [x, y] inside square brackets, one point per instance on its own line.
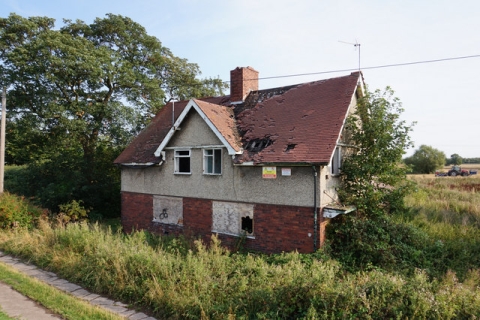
[177, 281]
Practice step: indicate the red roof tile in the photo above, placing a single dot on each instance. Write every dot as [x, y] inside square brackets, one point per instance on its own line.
[223, 119]
[295, 124]
[303, 123]
[141, 150]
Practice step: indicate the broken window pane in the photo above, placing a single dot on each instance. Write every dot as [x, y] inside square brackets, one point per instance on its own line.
[182, 161]
[247, 224]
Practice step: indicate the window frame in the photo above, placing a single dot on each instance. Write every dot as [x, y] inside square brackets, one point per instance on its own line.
[336, 161]
[214, 163]
[177, 158]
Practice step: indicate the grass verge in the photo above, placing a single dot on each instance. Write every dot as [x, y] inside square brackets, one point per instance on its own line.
[51, 298]
[3, 316]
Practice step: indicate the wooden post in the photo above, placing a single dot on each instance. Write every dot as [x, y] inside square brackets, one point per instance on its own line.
[2, 138]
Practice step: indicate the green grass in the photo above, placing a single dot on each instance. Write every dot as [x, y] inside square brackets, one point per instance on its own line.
[4, 316]
[437, 241]
[51, 298]
[209, 282]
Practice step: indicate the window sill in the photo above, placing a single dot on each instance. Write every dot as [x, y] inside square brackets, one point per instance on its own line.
[183, 173]
[234, 234]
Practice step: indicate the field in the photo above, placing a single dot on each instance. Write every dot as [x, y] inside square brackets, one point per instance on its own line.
[421, 264]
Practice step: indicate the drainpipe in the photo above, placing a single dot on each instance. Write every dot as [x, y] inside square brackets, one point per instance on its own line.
[315, 218]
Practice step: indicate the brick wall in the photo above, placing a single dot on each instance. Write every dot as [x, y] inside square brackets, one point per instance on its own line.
[276, 228]
[242, 81]
[137, 211]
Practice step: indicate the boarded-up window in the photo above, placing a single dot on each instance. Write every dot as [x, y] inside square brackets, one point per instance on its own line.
[232, 218]
[168, 210]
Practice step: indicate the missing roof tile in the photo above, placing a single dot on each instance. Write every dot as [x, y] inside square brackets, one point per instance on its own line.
[257, 145]
[290, 146]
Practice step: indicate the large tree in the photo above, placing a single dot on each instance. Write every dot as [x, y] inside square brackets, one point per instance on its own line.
[80, 91]
[93, 82]
[373, 177]
[426, 159]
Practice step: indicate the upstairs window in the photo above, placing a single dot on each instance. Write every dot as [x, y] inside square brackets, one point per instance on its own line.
[182, 161]
[212, 161]
[336, 161]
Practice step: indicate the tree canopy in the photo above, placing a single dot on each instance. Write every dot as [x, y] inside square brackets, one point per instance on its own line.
[455, 159]
[373, 177]
[426, 159]
[80, 92]
[88, 82]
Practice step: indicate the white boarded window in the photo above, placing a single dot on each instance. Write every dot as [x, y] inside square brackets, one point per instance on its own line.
[212, 161]
[168, 210]
[232, 218]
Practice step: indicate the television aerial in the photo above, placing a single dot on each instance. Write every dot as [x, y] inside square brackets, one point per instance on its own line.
[356, 45]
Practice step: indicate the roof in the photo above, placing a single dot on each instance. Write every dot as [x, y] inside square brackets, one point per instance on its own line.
[220, 120]
[295, 124]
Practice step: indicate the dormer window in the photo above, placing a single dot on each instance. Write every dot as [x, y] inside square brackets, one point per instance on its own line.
[212, 161]
[182, 161]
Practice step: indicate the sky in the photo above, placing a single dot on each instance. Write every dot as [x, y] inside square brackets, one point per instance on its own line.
[292, 37]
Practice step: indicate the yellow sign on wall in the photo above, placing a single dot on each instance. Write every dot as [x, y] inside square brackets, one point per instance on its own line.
[269, 172]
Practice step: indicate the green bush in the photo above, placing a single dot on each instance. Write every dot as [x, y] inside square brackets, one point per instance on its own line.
[15, 211]
[66, 178]
[361, 244]
[72, 212]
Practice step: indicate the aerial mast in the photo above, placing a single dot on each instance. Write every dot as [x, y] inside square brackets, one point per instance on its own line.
[356, 45]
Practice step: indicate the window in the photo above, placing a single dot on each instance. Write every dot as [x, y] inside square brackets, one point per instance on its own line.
[247, 224]
[182, 161]
[233, 218]
[336, 161]
[212, 161]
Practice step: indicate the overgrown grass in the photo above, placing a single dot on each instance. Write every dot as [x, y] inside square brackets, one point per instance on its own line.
[53, 299]
[447, 210]
[212, 283]
[424, 263]
[450, 200]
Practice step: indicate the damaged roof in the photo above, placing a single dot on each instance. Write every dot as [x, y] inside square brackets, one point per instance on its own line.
[295, 124]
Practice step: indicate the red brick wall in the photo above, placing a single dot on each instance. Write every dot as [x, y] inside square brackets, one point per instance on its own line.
[276, 228]
[197, 217]
[137, 211]
[242, 81]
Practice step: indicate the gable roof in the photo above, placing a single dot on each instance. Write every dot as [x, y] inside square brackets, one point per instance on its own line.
[295, 124]
[218, 118]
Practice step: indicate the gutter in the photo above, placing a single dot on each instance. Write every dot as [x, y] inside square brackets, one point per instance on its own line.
[315, 208]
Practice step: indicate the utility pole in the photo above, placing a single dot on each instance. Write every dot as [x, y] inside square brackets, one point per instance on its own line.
[2, 138]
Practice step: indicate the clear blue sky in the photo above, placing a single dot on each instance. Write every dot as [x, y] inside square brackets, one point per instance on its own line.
[280, 37]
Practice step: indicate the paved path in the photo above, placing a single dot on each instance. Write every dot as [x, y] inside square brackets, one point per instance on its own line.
[16, 305]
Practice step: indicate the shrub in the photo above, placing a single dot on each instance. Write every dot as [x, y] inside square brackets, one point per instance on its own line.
[72, 212]
[15, 211]
[360, 244]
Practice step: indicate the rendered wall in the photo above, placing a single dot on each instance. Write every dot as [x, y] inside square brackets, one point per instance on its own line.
[236, 183]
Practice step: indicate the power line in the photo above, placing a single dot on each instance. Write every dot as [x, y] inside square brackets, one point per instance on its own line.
[367, 68]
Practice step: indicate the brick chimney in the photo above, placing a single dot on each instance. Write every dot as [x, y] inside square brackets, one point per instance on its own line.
[242, 81]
